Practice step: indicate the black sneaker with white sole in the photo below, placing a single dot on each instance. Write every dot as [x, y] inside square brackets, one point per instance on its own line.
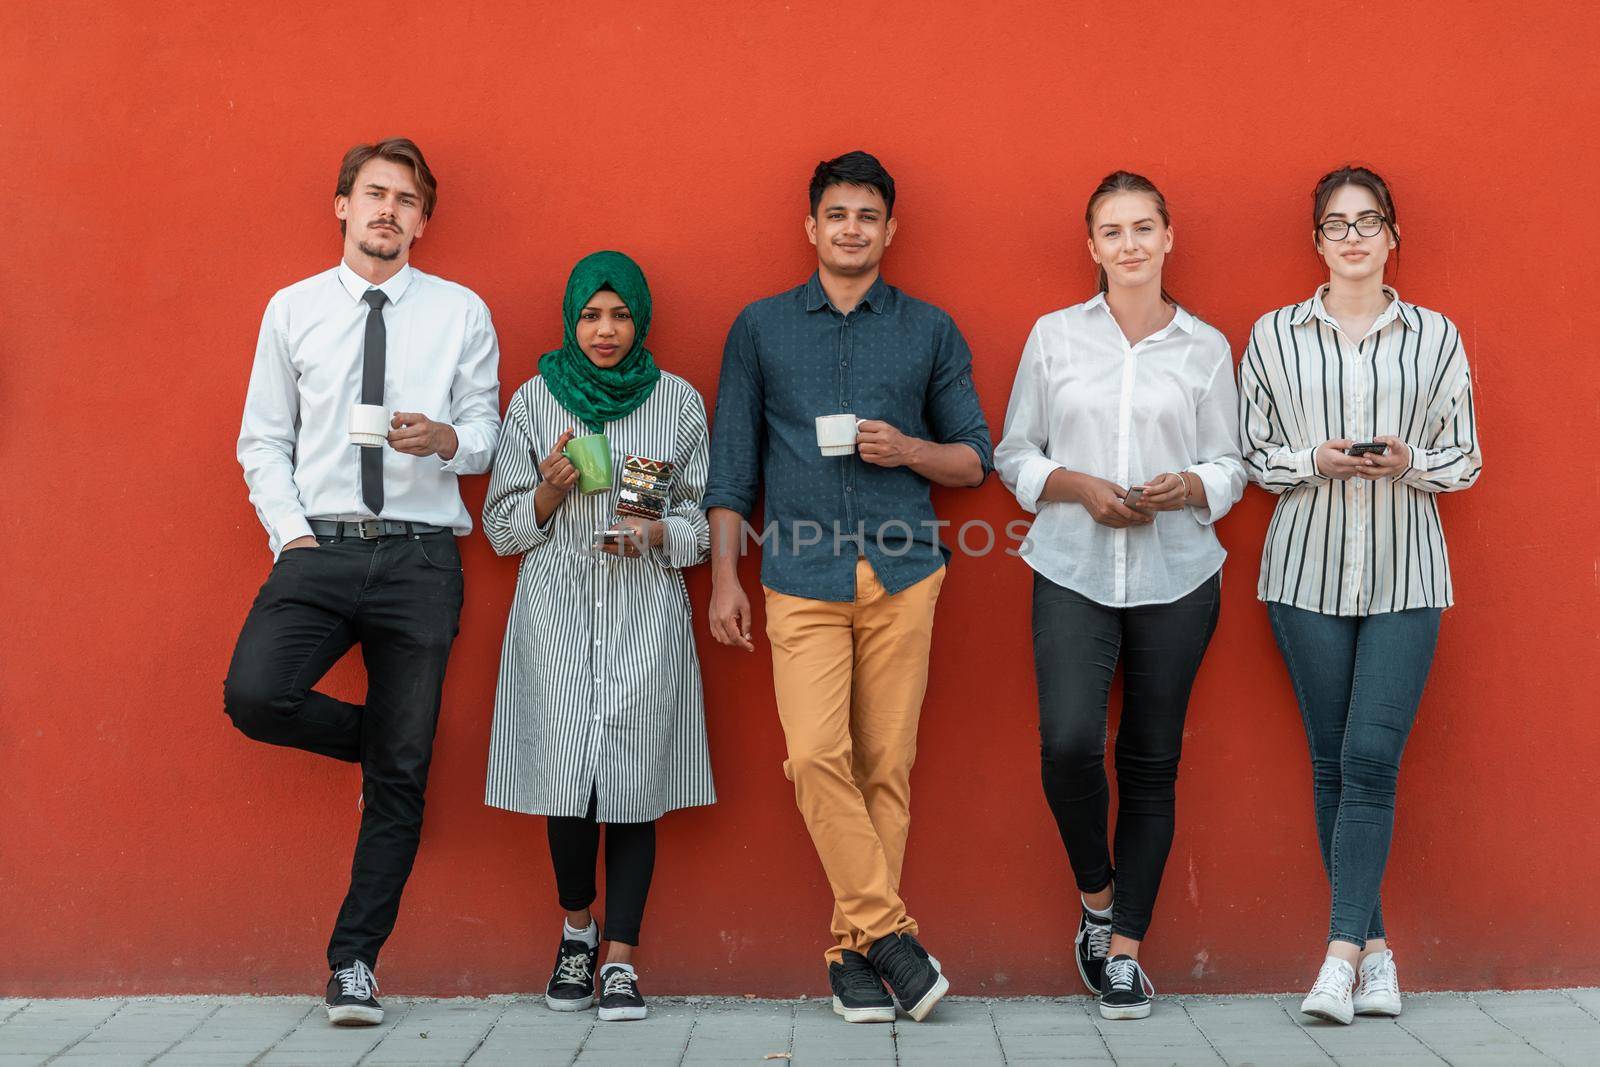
[858, 993]
[910, 973]
[1093, 944]
[1125, 990]
[352, 998]
[620, 999]
[571, 985]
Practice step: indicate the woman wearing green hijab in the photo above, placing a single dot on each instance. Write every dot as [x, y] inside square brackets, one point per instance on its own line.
[599, 718]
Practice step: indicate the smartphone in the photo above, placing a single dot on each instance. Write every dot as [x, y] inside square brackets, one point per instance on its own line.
[1366, 448]
[613, 535]
[1133, 496]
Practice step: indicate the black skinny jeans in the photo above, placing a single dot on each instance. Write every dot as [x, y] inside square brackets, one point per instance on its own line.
[400, 599]
[1076, 646]
[630, 863]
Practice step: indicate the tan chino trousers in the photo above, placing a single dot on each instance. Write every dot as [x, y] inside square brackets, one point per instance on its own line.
[850, 678]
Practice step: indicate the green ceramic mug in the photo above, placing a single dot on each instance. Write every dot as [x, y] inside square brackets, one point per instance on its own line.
[591, 454]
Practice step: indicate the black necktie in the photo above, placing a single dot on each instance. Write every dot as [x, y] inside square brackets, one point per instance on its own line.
[372, 393]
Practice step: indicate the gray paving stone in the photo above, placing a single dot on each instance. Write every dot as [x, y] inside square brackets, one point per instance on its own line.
[1549, 1026]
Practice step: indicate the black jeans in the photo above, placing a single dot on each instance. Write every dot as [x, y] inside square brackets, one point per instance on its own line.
[1358, 681]
[400, 600]
[1076, 646]
[630, 862]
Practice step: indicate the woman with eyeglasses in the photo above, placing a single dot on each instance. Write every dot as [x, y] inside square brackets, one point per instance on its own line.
[1121, 436]
[1356, 409]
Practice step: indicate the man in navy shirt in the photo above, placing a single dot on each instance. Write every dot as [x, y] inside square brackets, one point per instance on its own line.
[852, 560]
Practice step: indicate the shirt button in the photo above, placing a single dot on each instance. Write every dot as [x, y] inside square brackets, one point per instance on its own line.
[849, 488]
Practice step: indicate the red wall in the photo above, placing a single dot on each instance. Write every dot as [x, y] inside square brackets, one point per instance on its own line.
[165, 172]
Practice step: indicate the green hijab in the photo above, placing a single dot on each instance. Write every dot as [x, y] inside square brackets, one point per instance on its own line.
[598, 395]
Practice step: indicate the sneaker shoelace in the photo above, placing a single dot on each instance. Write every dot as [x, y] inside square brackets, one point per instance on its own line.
[1380, 977]
[573, 969]
[357, 980]
[619, 982]
[1333, 979]
[1122, 974]
[1098, 938]
[862, 980]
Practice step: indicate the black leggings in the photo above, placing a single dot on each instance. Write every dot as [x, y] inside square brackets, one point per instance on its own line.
[630, 861]
[1076, 645]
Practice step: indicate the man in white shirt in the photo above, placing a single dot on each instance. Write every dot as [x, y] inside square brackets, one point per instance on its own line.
[364, 537]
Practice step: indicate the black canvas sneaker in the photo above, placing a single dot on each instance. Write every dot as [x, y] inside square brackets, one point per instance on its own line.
[858, 993]
[620, 999]
[1125, 989]
[352, 998]
[1093, 944]
[910, 973]
[571, 985]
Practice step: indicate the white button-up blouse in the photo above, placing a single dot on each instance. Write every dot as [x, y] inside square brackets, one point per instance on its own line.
[1087, 400]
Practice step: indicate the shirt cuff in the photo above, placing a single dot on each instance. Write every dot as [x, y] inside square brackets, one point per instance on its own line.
[679, 545]
[1415, 471]
[525, 524]
[289, 528]
[1219, 493]
[1032, 478]
[463, 461]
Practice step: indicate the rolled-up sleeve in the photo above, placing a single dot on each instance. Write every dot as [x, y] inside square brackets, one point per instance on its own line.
[1219, 465]
[475, 396]
[736, 443]
[509, 519]
[685, 533]
[953, 412]
[1020, 457]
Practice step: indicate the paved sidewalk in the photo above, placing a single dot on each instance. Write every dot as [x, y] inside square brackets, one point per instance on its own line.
[1547, 1026]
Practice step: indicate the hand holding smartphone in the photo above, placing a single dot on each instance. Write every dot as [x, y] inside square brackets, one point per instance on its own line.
[1367, 448]
[1132, 497]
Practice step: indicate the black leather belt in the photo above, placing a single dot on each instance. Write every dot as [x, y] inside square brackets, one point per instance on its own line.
[373, 529]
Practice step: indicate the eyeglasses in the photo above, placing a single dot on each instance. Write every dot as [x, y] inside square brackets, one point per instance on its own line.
[1365, 226]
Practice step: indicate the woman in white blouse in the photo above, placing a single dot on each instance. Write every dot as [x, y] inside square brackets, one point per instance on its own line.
[1121, 436]
[1356, 408]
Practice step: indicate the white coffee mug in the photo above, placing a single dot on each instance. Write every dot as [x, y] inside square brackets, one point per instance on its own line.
[836, 434]
[369, 425]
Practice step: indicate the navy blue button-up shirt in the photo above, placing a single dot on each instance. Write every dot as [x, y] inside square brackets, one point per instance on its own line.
[793, 357]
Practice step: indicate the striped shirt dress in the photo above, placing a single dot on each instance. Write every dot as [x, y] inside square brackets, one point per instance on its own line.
[599, 692]
[1357, 547]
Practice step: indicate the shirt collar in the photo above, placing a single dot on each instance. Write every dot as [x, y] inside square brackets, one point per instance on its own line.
[1181, 319]
[356, 285]
[1407, 313]
[878, 299]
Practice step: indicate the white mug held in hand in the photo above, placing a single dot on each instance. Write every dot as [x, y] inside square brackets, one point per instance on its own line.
[836, 434]
[369, 425]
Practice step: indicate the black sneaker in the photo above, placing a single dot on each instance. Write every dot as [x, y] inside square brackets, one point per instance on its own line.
[909, 972]
[1125, 990]
[620, 999]
[1093, 944]
[858, 993]
[352, 998]
[571, 985]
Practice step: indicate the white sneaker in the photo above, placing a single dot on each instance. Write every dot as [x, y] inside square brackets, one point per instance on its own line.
[1330, 993]
[1379, 990]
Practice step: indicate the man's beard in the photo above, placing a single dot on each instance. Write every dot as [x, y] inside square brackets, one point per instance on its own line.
[385, 254]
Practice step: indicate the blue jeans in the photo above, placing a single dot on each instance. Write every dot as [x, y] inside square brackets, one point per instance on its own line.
[1358, 681]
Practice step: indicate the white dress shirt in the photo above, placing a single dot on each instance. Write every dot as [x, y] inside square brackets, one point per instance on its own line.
[1086, 400]
[441, 359]
[1357, 547]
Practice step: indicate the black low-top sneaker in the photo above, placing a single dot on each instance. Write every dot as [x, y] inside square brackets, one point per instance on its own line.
[858, 993]
[620, 999]
[571, 985]
[352, 998]
[1125, 990]
[909, 971]
[1093, 944]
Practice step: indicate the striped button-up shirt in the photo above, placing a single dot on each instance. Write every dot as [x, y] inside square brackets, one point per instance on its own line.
[1357, 547]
